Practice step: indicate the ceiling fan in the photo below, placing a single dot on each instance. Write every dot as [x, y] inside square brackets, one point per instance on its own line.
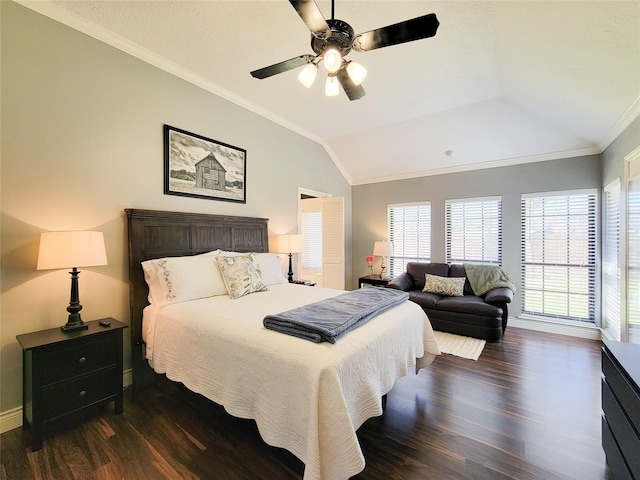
[333, 39]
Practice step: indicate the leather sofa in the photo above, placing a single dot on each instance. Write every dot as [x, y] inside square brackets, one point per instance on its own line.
[470, 315]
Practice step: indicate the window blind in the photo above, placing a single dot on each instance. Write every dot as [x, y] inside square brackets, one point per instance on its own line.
[312, 240]
[559, 254]
[409, 227]
[633, 257]
[474, 230]
[611, 262]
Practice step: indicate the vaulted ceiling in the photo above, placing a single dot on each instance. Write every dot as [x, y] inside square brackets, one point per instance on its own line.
[502, 82]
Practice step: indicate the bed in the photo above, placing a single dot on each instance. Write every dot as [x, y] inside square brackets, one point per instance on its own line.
[309, 398]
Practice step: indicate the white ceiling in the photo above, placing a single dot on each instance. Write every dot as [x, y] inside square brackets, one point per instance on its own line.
[502, 82]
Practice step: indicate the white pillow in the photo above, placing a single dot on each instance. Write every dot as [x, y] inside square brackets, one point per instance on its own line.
[178, 279]
[241, 274]
[270, 267]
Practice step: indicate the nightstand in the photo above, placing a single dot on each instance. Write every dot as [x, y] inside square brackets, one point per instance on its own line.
[373, 280]
[66, 373]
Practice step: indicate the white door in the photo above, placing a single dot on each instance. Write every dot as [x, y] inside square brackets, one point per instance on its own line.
[321, 221]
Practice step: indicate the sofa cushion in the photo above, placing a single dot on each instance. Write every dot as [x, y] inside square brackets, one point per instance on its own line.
[469, 304]
[449, 286]
[424, 299]
[417, 271]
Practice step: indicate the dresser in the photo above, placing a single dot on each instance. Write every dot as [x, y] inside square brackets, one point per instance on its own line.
[621, 408]
[65, 373]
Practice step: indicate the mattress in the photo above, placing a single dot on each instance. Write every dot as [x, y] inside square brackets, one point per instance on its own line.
[305, 397]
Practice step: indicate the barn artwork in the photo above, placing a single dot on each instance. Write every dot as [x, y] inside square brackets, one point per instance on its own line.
[196, 166]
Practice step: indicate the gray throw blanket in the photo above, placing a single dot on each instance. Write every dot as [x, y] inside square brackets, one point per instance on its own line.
[483, 278]
[329, 319]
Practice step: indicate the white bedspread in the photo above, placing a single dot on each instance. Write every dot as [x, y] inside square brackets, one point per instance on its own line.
[307, 398]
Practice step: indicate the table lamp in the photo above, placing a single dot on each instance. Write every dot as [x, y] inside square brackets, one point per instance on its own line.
[290, 244]
[384, 249]
[72, 250]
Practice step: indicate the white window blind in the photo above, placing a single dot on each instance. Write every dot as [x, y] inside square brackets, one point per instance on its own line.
[611, 263]
[409, 228]
[474, 230]
[312, 240]
[559, 254]
[633, 257]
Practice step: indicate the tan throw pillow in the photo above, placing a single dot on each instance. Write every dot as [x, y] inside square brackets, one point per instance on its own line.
[450, 286]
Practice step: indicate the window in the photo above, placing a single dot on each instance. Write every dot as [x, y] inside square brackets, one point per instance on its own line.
[410, 232]
[611, 263]
[631, 331]
[474, 230]
[559, 254]
[312, 240]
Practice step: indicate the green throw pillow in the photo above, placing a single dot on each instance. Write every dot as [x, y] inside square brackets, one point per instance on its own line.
[241, 275]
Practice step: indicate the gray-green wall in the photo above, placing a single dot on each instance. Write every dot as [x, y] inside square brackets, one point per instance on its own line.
[370, 203]
[82, 140]
[613, 163]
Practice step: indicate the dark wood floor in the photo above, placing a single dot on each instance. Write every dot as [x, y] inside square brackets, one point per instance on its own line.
[529, 408]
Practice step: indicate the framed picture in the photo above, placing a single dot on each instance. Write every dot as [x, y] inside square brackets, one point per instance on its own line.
[196, 166]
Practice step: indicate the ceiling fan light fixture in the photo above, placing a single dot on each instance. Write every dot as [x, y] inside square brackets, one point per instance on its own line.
[356, 72]
[332, 87]
[308, 75]
[332, 59]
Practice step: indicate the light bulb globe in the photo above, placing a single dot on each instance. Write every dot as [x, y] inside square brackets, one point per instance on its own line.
[356, 72]
[308, 75]
[332, 60]
[332, 87]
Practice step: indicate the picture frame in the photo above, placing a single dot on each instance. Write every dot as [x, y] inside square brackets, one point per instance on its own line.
[200, 167]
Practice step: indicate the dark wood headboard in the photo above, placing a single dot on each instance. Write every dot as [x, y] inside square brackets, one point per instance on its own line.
[157, 234]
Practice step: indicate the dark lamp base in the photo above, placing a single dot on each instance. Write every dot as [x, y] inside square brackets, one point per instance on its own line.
[70, 328]
[74, 322]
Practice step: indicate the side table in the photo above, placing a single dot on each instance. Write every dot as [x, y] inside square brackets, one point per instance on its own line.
[64, 373]
[373, 280]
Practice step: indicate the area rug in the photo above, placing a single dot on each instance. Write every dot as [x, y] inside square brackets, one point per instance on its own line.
[465, 347]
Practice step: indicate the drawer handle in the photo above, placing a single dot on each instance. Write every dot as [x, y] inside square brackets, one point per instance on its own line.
[83, 393]
[82, 359]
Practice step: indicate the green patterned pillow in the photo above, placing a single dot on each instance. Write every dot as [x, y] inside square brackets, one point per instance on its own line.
[241, 275]
[450, 286]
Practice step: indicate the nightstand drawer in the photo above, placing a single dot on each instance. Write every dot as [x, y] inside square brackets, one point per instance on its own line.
[626, 394]
[70, 362]
[625, 435]
[66, 397]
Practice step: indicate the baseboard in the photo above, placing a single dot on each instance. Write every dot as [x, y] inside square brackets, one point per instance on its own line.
[580, 331]
[10, 419]
[13, 418]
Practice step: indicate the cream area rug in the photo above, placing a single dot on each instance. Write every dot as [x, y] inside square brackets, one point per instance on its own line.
[465, 347]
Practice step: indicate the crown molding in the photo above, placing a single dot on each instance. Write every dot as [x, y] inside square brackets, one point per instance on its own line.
[507, 162]
[625, 120]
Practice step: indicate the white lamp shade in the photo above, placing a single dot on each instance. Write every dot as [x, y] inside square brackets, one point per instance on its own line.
[308, 74]
[356, 72]
[332, 87]
[382, 248]
[71, 249]
[289, 243]
[332, 60]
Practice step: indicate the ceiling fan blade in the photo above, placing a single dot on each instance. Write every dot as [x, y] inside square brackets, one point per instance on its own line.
[312, 17]
[353, 91]
[407, 31]
[282, 66]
